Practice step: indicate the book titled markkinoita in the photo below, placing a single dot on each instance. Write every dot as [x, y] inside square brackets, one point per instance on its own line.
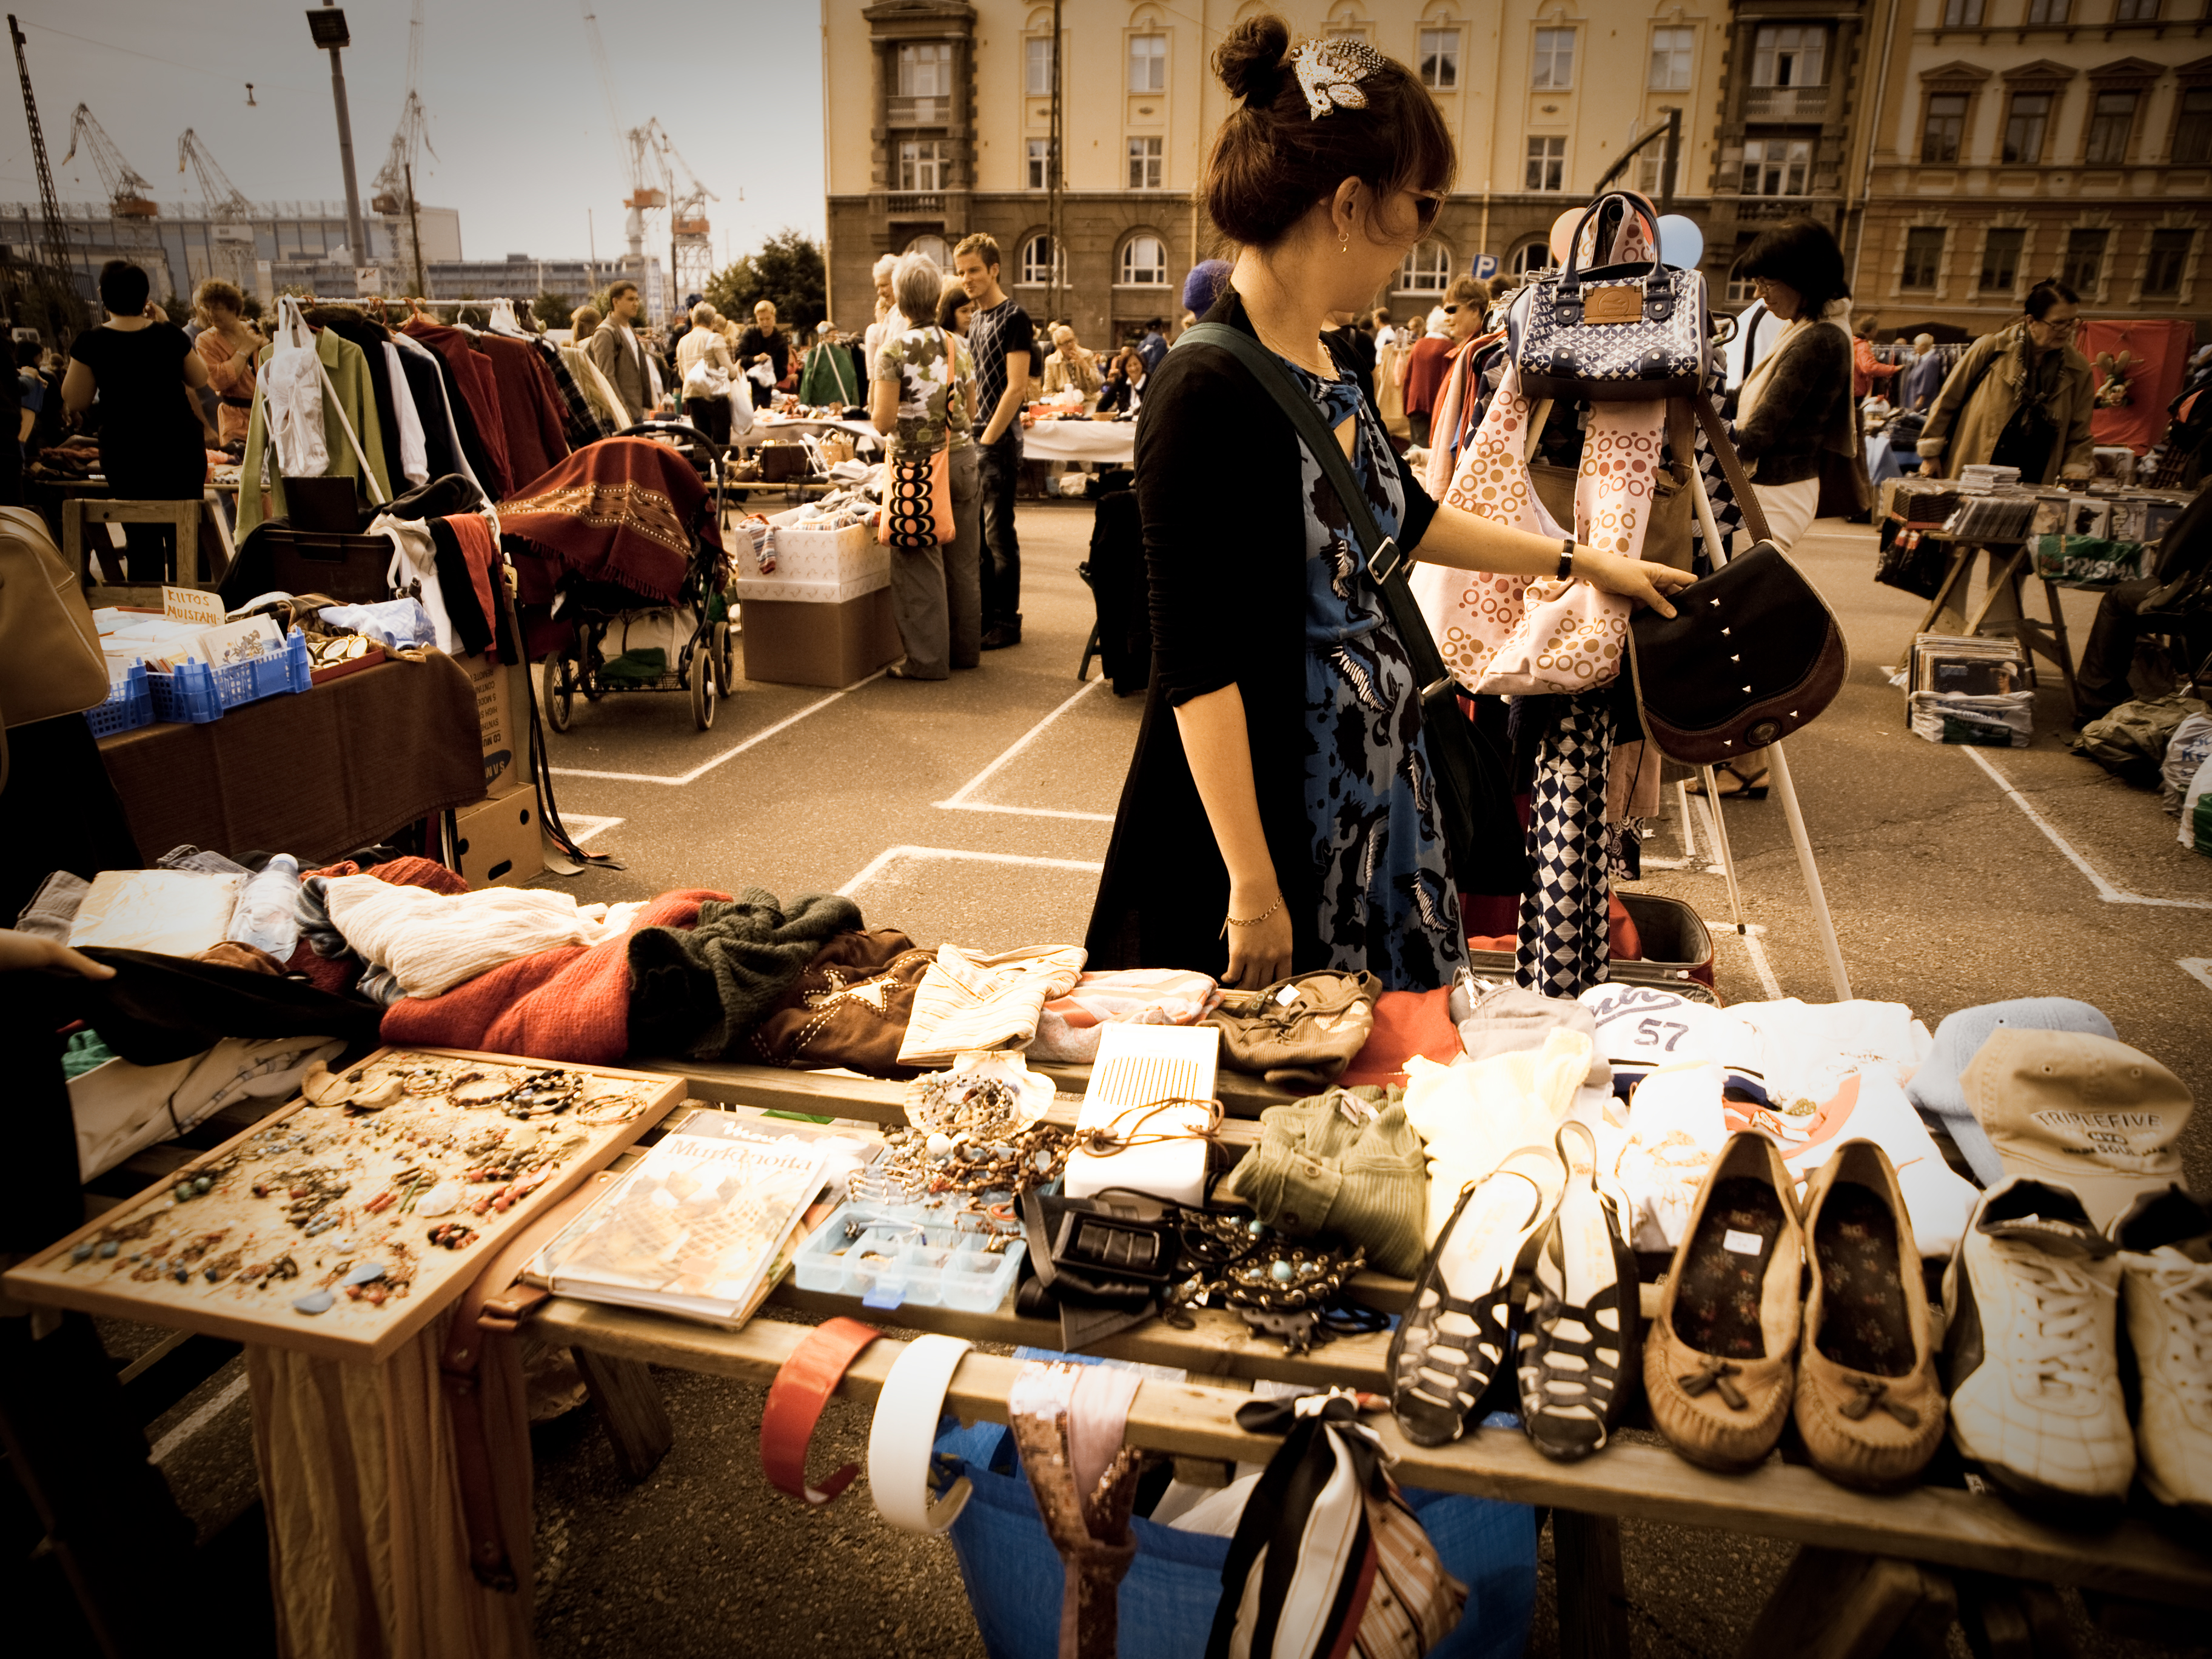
[703, 1227]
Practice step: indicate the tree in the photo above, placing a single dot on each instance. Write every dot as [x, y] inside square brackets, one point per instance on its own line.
[788, 271]
[553, 310]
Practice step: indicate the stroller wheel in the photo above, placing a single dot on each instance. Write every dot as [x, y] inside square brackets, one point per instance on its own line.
[560, 692]
[726, 655]
[702, 677]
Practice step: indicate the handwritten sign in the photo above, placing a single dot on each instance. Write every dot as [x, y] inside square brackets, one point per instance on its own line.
[191, 605]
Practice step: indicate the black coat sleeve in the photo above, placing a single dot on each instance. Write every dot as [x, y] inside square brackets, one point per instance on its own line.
[1799, 402]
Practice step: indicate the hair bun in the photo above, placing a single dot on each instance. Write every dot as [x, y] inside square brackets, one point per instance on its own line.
[1250, 61]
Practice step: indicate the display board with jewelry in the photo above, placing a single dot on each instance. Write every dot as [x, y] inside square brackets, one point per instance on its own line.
[341, 1224]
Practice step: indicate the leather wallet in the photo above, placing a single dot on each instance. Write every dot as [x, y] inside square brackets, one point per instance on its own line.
[795, 1399]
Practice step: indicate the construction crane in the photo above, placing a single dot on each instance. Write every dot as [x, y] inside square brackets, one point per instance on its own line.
[691, 246]
[61, 296]
[129, 195]
[225, 201]
[635, 147]
[394, 187]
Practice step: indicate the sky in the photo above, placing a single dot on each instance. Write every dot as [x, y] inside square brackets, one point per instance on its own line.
[518, 112]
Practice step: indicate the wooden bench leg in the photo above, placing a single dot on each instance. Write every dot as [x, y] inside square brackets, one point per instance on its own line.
[1593, 1595]
[2009, 1619]
[629, 1404]
[2064, 651]
[1836, 1604]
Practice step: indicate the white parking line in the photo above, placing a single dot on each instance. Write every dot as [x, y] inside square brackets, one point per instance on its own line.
[958, 801]
[2106, 890]
[593, 825]
[2198, 968]
[705, 767]
[891, 856]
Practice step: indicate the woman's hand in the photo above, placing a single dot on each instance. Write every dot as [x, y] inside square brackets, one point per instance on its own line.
[1638, 579]
[30, 952]
[1259, 952]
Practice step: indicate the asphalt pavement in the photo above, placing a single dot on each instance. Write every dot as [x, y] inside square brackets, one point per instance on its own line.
[977, 810]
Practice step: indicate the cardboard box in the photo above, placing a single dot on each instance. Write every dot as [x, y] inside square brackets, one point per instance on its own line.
[506, 746]
[834, 645]
[495, 842]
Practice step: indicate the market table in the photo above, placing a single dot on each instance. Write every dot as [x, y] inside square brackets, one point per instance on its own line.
[1872, 1573]
[2010, 563]
[1112, 443]
[315, 774]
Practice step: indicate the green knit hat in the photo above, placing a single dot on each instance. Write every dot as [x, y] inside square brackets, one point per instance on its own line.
[1345, 1162]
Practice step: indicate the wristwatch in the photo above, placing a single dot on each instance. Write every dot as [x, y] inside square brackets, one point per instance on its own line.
[795, 1399]
[1567, 559]
[905, 1435]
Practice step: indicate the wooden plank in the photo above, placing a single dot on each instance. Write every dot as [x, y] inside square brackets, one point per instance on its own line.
[349, 1329]
[630, 1409]
[1836, 1604]
[1593, 1593]
[1946, 1526]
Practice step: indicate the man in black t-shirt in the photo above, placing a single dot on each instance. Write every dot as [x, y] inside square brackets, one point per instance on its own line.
[999, 337]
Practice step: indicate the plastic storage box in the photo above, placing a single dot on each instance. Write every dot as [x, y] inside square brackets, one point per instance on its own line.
[130, 704]
[900, 1253]
[196, 693]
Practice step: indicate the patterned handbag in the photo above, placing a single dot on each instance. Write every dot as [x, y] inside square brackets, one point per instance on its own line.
[1627, 332]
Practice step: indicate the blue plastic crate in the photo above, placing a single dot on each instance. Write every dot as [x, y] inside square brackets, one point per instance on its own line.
[196, 694]
[129, 705]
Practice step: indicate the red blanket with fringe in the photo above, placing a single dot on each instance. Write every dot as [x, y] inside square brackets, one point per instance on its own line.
[618, 512]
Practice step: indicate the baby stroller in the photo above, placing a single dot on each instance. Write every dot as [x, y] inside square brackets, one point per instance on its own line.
[620, 546]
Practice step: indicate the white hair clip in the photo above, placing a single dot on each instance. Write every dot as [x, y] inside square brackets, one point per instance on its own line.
[1330, 73]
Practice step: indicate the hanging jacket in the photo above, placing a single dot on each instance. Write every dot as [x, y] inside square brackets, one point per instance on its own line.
[426, 382]
[530, 413]
[474, 386]
[347, 365]
[827, 378]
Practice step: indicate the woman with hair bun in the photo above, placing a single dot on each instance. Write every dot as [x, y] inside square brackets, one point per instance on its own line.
[2021, 397]
[1279, 816]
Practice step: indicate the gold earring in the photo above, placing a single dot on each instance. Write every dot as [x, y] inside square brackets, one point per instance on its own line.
[1343, 241]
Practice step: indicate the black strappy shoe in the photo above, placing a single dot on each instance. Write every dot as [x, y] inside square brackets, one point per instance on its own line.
[1746, 788]
[1578, 1344]
[1453, 1338]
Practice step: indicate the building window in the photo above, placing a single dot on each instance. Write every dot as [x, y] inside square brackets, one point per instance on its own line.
[1148, 63]
[2111, 121]
[2192, 125]
[1040, 159]
[2048, 11]
[2000, 253]
[1793, 56]
[2024, 125]
[1145, 262]
[1923, 256]
[1440, 59]
[1740, 287]
[1427, 270]
[1651, 162]
[934, 248]
[922, 164]
[1555, 60]
[2135, 11]
[1945, 125]
[1145, 163]
[1535, 255]
[2169, 257]
[1346, 32]
[2085, 260]
[1547, 164]
[1962, 14]
[925, 70]
[1037, 66]
[1672, 51]
[1777, 166]
[1036, 261]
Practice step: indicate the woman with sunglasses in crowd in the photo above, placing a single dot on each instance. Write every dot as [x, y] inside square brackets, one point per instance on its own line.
[1279, 814]
[2021, 397]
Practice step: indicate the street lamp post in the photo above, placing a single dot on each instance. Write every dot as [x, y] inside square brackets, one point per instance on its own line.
[327, 23]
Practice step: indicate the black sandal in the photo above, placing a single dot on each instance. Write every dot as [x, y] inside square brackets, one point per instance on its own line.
[1751, 788]
[1579, 1339]
[1453, 1337]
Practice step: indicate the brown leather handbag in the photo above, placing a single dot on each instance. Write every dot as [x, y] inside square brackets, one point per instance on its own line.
[50, 662]
[1298, 1033]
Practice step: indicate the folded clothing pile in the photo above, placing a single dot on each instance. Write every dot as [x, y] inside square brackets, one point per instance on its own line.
[1069, 1026]
[431, 942]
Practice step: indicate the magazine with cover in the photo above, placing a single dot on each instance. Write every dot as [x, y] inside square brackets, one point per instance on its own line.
[697, 1228]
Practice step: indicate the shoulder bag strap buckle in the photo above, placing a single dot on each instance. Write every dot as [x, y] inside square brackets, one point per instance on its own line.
[1386, 560]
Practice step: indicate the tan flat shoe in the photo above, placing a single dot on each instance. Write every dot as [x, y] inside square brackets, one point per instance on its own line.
[1720, 1360]
[1868, 1404]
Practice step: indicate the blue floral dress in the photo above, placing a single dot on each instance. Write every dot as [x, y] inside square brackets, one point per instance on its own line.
[1389, 905]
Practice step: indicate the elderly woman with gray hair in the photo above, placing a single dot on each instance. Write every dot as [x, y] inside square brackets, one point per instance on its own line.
[922, 398]
[707, 391]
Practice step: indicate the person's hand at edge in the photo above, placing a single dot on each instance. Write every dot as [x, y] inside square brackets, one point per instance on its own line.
[20, 950]
[1638, 579]
[1259, 952]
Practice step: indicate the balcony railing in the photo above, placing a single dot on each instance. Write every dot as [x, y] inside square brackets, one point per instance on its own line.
[927, 201]
[1785, 103]
[921, 111]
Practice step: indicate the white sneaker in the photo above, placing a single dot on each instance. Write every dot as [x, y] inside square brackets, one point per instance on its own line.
[2166, 1280]
[2031, 1356]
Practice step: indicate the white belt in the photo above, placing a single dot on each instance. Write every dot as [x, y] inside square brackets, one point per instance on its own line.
[904, 1433]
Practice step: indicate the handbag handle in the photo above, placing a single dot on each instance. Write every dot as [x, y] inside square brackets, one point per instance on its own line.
[1568, 282]
[1385, 562]
[1747, 498]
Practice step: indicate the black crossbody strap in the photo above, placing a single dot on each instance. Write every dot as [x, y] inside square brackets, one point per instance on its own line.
[1747, 498]
[1385, 563]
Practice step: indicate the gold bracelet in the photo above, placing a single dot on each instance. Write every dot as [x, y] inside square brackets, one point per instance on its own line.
[1229, 922]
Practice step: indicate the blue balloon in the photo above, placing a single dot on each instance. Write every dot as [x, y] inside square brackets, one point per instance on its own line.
[1681, 244]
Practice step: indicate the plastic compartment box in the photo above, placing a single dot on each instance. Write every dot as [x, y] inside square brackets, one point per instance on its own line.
[928, 1255]
[196, 693]
[130, 704]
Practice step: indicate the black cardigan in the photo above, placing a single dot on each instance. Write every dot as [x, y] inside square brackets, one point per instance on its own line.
[1224, 531]
[1805, 408]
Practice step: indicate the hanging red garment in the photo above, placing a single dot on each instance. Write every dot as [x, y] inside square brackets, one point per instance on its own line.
[529, 406]
[621, 511]
[479, 389]
[480, 551]
[2160, 346]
